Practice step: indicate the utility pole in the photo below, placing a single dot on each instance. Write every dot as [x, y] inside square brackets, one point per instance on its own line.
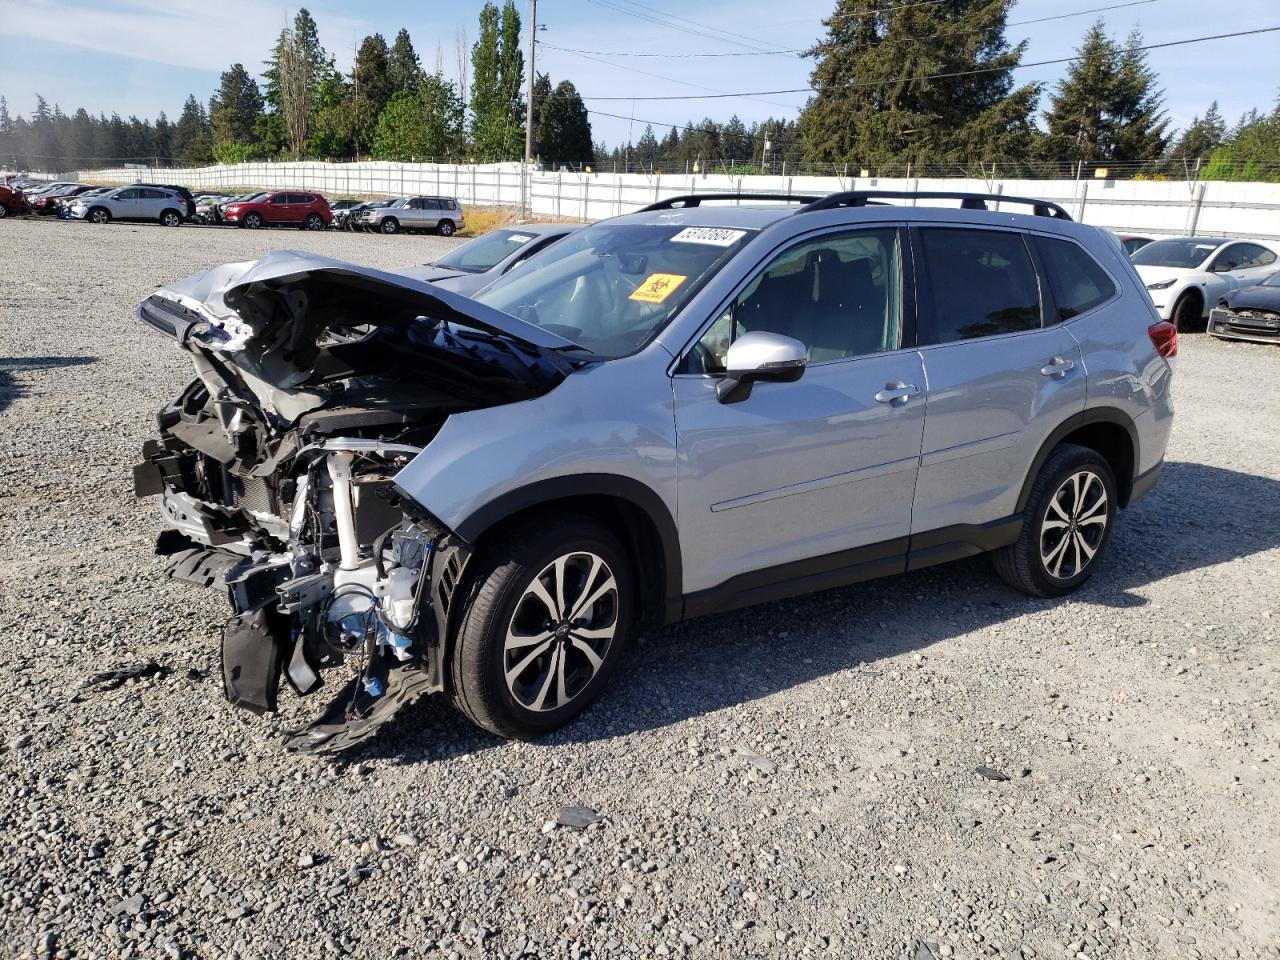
[533, 73]
[528, 109]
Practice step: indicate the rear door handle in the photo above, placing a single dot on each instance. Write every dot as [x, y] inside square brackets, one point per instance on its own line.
[897, 393]
[1057, 368]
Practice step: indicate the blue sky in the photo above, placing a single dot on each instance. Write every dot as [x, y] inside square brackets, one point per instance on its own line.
[143, 56]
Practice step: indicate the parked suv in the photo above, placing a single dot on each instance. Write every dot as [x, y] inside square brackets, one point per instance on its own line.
[683, 410]
[280, 208]
[131, 203]
[441, 214]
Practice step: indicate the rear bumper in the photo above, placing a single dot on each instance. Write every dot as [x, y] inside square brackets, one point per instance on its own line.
[1229, 326]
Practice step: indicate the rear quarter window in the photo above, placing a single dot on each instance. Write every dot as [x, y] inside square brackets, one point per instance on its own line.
[1078, 282]
[975, 283]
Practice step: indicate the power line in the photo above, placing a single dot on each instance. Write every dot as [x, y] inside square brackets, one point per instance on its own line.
[796, 52]
[656, 76]
[665, 21]
[956, 73]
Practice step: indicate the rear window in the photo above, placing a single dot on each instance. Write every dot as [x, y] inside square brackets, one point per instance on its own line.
[1079, 283]
[976, 283]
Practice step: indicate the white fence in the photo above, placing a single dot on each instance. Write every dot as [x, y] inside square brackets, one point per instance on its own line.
[1141, 207]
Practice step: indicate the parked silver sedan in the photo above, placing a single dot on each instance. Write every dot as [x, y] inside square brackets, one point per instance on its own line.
[132, 203]
[477, 263]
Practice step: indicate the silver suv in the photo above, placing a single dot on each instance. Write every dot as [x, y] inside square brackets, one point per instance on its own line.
[683, 410]
[441, 214]
[131, 203]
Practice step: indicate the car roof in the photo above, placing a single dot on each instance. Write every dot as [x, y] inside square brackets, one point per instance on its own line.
[761, 215]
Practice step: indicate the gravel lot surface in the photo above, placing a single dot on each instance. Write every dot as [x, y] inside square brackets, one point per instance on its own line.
[793, 780]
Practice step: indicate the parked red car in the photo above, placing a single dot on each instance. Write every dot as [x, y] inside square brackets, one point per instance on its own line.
[12, 202]
[47, 203]
[289, 208]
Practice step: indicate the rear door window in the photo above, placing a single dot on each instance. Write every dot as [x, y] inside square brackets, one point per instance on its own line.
[975, 283]
[1079, 284]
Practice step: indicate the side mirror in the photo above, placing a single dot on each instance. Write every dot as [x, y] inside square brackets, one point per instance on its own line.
[760, 356]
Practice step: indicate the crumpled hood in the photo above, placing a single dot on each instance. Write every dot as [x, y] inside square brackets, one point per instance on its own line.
[1254, 298]
[216, 295]
[257, 328]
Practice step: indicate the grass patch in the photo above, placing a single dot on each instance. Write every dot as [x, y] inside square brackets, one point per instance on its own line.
[480, 220]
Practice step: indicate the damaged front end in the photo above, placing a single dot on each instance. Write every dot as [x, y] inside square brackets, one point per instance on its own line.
[317, 382]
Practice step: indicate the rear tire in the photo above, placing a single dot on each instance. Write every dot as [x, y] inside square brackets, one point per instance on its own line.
[99, 215]
[1066, 525]
[445, 228]
[170, 218]
[527, 660]
[313, 222]
[4, 211]
[1187, 313]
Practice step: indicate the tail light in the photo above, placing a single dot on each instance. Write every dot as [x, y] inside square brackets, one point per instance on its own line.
[1164, 337]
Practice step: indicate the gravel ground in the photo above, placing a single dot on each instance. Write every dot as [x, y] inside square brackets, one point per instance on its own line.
[793, 780]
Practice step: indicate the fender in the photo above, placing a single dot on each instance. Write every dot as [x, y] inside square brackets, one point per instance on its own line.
[1104, 414]
[615, 486]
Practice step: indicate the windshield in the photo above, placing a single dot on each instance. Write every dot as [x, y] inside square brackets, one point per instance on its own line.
[1183, 254]
[401, 203]
[485, 253]
[612, 286]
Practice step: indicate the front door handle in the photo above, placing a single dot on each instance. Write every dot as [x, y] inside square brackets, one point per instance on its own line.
[897, 393]
[1057, 368]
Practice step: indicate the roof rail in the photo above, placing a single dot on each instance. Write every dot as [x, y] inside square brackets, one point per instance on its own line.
[694, 199]
[968, 201]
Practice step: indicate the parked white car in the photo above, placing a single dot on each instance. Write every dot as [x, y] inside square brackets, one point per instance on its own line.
[1186, 276]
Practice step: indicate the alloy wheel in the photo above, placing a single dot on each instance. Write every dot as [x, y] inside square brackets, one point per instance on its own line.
[560, 632]
[98, 216]
[1074, 525]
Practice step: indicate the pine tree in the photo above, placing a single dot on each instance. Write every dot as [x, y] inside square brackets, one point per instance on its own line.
[190, 136]
[163, 139]
[1107, 109]
[647, 148]
[873, 103]
[1202, 136]
[404, 69]
[236, 106]
[564, 130]
[1250, 151]
[541, 90]
[371, 89]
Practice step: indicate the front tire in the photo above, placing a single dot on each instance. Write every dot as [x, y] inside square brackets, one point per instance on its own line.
[99, 215]
[390, 225]
[1066, 525]
[445, 228]
[252, 221]
[1187, 313]
[552, 610]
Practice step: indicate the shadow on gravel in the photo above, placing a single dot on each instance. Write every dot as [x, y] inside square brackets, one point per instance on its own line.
[1197, 517]
[11, 389]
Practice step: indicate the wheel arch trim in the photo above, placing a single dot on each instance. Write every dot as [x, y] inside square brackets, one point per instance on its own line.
[1091, 416]
[592, 485]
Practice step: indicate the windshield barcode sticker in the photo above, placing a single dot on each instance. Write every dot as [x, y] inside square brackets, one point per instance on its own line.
[715, 236]
[519, 238]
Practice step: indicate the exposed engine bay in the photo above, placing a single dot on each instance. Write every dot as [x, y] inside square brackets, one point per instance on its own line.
[317, 382]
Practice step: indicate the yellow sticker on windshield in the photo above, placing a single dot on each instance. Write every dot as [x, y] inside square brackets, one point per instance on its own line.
[657, 287]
